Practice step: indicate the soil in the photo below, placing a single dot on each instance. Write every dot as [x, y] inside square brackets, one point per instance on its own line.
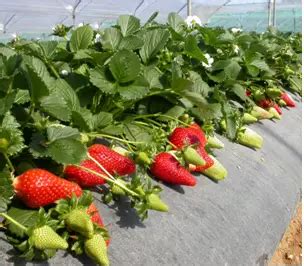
[289, 251]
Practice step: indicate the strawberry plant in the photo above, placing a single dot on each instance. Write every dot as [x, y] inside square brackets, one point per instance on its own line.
[153, 94]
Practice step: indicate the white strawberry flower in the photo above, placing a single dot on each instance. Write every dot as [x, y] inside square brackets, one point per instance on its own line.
[219, 51]
[1, 27]
[64, 72]
[236, 30]
[236, 49]
[95, 26]
[80, 25]
[192, 20]
[210, 61]
[97, 38]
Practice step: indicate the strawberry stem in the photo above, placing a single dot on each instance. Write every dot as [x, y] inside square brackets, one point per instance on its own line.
[7, 217]
[9, 162]
[115, 138]
[165, 116]
[109, 178]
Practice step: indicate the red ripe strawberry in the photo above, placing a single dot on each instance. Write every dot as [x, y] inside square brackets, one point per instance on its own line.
[196, 129]
[209, 161]
[96, 218]
[248, 93]
[277, 107]
[265, 103]
[38, 187]
[83, 178]
[166, 168]
[112, 161]
[182, 136]
[288, 100]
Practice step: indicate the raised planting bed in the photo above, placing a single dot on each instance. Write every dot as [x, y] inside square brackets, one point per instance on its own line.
[238, 221]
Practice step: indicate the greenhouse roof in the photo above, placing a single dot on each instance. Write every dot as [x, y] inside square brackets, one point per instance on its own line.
[35, 17]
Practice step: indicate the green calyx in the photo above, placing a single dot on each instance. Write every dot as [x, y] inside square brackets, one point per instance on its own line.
[273, 92]
[155, 203]
[275, 113]
[46, 238]
[79, 221]
[191, 156]
[214, 142]
[260, 113]
[3, 144]
[143, 159]
[96, 249]
[249, 138]
[116, 189]
[84, 138]
[249, 119]
[217, 171]
[121, 150]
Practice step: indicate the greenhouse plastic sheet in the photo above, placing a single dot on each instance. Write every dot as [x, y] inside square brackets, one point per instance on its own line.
[236, 222]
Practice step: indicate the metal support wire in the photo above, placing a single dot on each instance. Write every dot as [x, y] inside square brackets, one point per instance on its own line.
[274, 13]
[182, 8]
[5, 24]
[269, 13]
[138, 6]
[189, 8]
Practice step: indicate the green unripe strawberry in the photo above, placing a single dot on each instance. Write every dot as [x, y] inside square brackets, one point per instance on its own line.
[275, 113]
[191, 156]
[260, 113]
[223, 125]
[46, 238]
[143, 158]
[96, 249]
[282, 102]
[273, 92]
[117, 190]
[249, 119]
[79, 221]
[155, 203]
[250, 138]
[3, 144]
[214, 142]
[217, 171]
[258, 95]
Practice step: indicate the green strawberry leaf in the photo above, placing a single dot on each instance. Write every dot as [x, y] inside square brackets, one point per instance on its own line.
[192, 49]
[128, 24]
[25, 217]
[6, 190]
[10, 131]
[56, 132]
[81, 38]
[38, 78]
[111, 39]
[125, 66]
[176, 22]
[6, 102]
[131, 42]
[154, 41]
[67, 151]
[22, 97]
[99, 79]
[55, 105]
